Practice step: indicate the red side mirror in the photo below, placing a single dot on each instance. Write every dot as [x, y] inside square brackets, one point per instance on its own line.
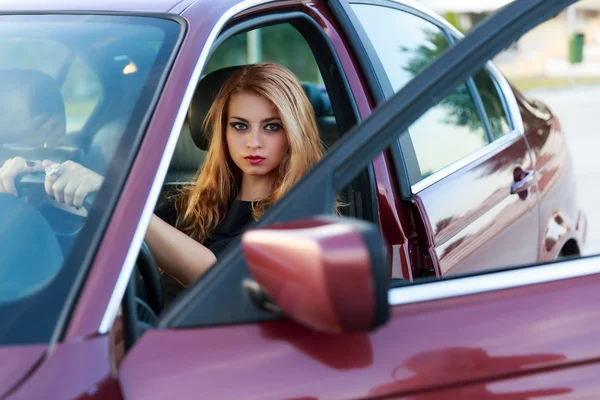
[327, 273]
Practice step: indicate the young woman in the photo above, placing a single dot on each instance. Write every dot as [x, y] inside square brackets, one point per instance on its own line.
[264, 138]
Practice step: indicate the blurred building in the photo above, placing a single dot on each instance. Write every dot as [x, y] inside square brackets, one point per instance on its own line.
[543, 52]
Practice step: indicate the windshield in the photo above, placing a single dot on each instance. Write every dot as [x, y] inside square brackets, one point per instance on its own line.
[75, 91]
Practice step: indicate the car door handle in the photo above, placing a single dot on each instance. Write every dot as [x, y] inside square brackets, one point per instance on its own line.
[524, 180]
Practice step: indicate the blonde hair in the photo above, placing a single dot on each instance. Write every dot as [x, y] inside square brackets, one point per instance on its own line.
[203, 205]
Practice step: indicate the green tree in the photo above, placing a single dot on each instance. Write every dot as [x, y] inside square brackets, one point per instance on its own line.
[459, 105]
[281, 44]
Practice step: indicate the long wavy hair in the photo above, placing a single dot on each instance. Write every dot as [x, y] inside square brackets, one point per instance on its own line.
[203, 205]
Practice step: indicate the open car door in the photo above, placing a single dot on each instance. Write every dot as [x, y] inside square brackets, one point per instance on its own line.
[516, 334]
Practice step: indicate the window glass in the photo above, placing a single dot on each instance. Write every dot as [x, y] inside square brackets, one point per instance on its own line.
[281, 44]
[81, 92]
[447, 132]
[492, 103]
[44, 55]
[80, 87]
[404, 43]
[48, 89]
[453, 128]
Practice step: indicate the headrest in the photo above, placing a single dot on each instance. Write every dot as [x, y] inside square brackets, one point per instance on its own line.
[32, 109]
[318, 99]
[209, 87]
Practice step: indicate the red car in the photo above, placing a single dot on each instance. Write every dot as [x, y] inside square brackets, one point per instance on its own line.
[454, 173]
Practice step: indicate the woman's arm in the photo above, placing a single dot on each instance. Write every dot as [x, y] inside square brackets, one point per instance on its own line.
[176, 253]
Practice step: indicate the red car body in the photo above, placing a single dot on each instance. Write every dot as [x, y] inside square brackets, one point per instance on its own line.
[512, 342]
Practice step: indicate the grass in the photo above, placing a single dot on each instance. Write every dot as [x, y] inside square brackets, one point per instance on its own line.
[551, 83]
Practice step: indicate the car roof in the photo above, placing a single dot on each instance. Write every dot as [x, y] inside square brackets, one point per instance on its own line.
[93, 5]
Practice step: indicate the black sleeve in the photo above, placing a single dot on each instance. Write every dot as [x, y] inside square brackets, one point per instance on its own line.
[217, 247]
[167, 212]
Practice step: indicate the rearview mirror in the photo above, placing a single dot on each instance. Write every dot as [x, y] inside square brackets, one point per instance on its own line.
[327, 273]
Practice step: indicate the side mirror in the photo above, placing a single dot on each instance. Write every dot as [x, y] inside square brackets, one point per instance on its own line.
[327, 273]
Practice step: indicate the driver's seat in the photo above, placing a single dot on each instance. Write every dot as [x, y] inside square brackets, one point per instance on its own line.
[32, 114]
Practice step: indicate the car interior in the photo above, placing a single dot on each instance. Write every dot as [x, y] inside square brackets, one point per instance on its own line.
[98, 138]
[193, 141]
[356, 200]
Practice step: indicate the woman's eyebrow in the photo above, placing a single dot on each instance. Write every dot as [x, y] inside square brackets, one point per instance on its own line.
[270, 119]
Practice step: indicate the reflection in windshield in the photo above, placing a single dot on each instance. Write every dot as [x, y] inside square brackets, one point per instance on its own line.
[72, 88]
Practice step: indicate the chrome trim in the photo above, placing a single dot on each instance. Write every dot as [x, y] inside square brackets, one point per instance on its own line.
[426, 10]
[494, 147]
[493, 281]
[508, 96]
[515, 119]
[136, 243]
[417, 7]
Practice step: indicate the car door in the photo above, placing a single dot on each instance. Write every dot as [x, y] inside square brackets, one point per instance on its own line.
[470, 171]
[516, 333]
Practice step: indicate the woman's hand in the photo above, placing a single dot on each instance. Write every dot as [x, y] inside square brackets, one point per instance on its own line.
[70, 182]
[14, 167]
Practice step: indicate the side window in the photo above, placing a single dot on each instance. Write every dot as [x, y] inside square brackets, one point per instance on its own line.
[453, 128]
[404, 43]
[281, 44]
[492, 103]
[447, 132]
[81, 92]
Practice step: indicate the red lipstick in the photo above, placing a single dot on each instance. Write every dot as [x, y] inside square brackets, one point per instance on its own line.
[254, 159]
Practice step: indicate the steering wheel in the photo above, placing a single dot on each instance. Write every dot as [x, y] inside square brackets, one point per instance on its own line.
[31, 189]
[150, 274]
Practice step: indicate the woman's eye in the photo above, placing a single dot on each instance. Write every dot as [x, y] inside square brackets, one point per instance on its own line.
[238, 126]
[273, 127]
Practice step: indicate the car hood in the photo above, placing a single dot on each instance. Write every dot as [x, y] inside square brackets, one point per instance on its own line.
[17, 363]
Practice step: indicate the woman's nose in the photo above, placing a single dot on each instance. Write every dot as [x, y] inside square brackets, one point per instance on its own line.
[254, 140]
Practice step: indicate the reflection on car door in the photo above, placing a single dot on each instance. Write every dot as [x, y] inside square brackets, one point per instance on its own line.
[481, 207]
[469, 165]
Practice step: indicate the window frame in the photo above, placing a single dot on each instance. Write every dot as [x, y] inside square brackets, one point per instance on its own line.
[517, 132]
[503, 100]
[403, 149]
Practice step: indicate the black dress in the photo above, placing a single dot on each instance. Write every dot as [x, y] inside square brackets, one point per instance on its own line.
[237, 218]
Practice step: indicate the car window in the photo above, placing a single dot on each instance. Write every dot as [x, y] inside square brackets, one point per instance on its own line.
[281, 44]
[404, 43]
[81, 92]
[454, 127]
[48, 89]
[80, 87]
[492, 103]
[447, 132]
[48, 56]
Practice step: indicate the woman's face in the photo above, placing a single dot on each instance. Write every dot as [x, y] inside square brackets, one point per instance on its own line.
[256, 139]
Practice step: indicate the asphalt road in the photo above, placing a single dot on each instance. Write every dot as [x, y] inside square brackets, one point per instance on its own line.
[578, 108]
